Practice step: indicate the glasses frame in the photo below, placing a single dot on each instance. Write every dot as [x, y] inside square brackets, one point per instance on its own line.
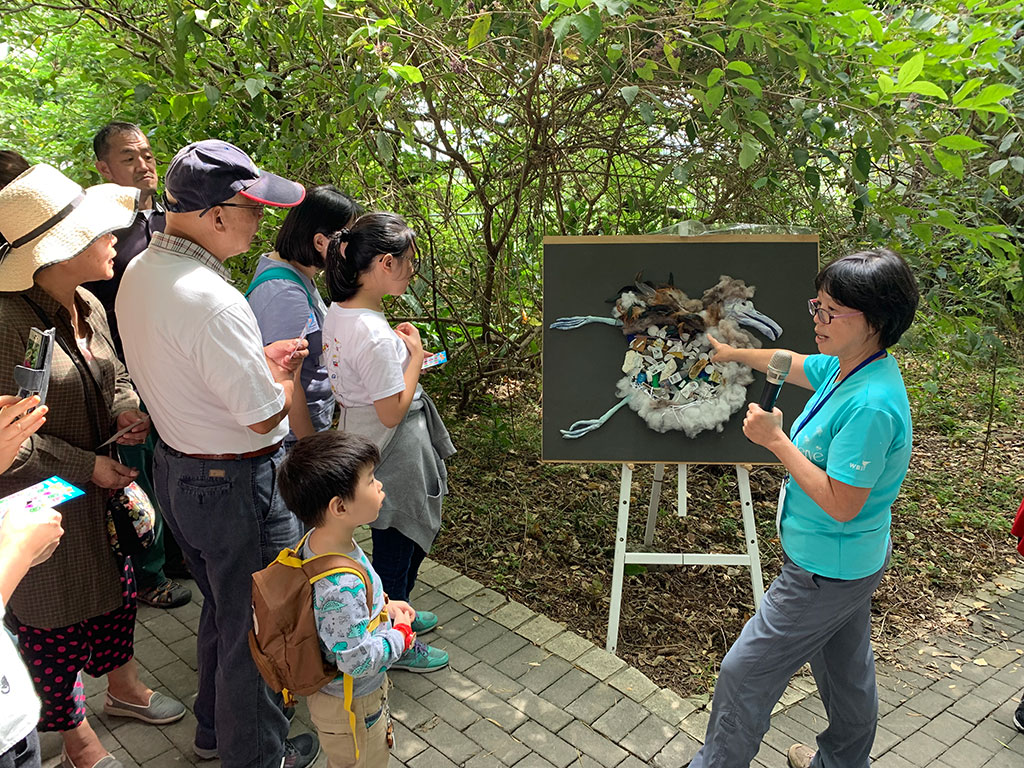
[822, 315]
[414, 260]
[231, 205]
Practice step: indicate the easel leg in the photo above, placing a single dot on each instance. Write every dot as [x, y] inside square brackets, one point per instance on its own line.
[652, 510]
[619, 562]
[750, 534]
[681, 501]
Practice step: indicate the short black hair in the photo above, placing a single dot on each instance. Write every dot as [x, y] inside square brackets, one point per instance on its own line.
[878, 283]
[101, 141]
[326, 209]
[320, 467]
[12, 165]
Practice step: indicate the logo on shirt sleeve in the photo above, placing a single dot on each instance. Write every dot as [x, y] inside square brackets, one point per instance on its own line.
[860, 467]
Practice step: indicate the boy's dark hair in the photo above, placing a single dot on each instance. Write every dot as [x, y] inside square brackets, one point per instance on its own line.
[326, 209]
[373, 234]
[12, 165]
[101, 141]
[878, 283]
[320, 467]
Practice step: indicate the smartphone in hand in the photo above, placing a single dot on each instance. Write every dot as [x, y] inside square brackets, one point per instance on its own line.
[33, 375]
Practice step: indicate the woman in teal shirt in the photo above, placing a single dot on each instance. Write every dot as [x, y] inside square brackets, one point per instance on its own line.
[847, 455]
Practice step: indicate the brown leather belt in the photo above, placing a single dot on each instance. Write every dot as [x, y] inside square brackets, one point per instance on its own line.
[236, 456]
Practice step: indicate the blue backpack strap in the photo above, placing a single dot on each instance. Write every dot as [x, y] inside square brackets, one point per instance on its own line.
[279, 273]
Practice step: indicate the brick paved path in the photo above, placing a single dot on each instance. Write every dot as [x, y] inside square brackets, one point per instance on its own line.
[524, 692]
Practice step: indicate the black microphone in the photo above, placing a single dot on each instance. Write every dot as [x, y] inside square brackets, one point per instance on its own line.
[778, 370]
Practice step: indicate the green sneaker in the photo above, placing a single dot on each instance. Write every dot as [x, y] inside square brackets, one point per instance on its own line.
[422, 658]
[424, 622]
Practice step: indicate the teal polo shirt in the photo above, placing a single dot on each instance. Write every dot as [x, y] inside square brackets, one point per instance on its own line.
[862, 436]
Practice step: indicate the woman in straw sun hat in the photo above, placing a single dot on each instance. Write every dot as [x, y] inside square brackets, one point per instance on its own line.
[75, 612]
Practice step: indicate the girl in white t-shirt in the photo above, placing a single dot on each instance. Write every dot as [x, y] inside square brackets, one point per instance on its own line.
[374, 371]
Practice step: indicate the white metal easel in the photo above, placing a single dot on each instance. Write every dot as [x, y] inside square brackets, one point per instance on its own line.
[751, 560]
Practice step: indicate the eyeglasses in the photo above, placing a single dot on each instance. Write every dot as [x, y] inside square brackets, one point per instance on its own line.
[229, 205]
[823, 316]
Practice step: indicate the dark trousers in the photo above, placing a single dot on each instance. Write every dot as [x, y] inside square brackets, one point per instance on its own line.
[24, 754]
[230, 522]
[397, 560]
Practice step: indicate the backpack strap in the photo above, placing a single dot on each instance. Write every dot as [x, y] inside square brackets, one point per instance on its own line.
[328, 564]
[279, 273]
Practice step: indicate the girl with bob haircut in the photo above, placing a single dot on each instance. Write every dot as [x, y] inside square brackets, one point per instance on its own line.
[374, 371]
[847, 455]
[285, 299]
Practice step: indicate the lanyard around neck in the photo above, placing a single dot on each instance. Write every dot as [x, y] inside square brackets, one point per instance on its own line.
[821, 403]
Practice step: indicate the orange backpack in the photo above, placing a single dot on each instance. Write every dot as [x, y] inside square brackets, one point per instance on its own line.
[283, 639]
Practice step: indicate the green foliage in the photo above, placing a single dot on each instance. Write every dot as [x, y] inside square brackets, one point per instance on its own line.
[491, 125]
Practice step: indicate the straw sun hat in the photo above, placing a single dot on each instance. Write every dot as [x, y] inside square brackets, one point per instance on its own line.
[46, 218]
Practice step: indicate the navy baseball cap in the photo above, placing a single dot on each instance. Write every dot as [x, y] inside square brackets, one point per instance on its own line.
[210, 172]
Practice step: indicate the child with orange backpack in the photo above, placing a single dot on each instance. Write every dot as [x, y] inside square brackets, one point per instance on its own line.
[327, 481]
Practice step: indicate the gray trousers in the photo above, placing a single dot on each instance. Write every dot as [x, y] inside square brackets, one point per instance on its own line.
[803, 618]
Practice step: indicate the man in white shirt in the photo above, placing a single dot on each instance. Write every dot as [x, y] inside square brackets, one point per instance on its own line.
[219, 401]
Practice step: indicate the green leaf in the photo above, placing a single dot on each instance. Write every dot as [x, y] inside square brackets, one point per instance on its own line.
[646, 72]
[561, 28]
[740, 66]
[800, 156]
[407, 72]
[479, 31]
[761, 120]
[143, 91]
[861, 163]
[750, 149]
[1017, 163]
[212, 94]
[967, 88]
[960, 143]
[589, 25]
[253, 86]
[715, 41]
[673, 61]
[994, 93]
[384, 147]
[923, 87]
[751, 85]
[910, 70]
[714, 76]
[629, 92]
[712, 99]
[996, 167]
[885, 84]
[952, 163]
[180, 104]
[923, 232]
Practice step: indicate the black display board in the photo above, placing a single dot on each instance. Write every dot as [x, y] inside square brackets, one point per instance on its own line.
[581, 367]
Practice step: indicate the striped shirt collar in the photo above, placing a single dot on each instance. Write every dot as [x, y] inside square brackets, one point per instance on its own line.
[182, 247]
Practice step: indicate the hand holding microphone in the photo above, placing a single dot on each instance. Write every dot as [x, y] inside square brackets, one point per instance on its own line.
[763, 421]
[778, 370]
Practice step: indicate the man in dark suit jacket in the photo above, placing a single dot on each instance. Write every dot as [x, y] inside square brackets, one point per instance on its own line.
[123, 156]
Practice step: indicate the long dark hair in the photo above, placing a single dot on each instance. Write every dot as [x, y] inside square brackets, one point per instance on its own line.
[326, 209]
[373, 234]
